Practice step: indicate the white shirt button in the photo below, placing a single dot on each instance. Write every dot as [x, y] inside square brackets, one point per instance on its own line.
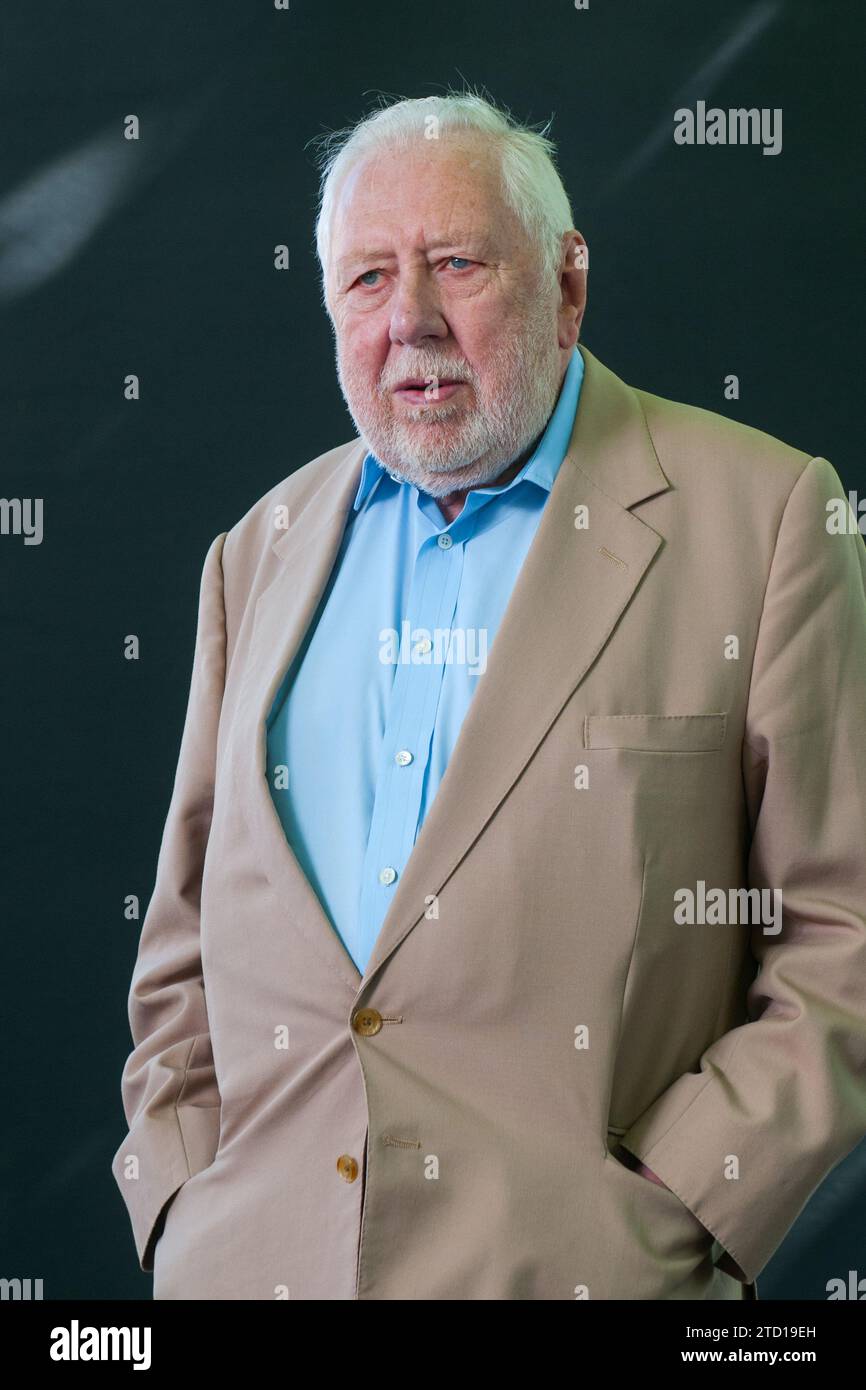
[445, 542]
[424, 645]
[403, 758]
[387, 875]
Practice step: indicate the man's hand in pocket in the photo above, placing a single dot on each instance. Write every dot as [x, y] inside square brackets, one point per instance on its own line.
[725, 1262]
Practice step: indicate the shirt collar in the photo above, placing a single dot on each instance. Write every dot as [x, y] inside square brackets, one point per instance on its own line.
[540, 468]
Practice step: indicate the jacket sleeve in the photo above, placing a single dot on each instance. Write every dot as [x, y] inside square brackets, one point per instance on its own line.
[784, 1094]
[169, 1086]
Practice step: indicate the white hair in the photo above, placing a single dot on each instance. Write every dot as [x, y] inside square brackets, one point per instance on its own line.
[531, 184]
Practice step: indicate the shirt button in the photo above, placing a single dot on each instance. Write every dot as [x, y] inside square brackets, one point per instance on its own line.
[387, 875]
[424, 645]
[367, 1022]
[445, 542]
[347, 1167]
[403, 758]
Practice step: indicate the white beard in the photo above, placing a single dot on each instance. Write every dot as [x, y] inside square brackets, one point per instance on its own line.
[524, 379]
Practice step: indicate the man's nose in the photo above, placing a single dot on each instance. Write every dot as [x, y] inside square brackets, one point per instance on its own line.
[416, 312]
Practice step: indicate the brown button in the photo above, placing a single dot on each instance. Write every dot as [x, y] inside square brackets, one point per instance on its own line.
[367, 1021]
[347, 1167]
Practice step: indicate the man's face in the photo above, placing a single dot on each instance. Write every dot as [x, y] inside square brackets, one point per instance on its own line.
[432, 276]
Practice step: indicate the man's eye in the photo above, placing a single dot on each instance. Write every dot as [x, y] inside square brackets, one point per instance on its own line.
[368, 283]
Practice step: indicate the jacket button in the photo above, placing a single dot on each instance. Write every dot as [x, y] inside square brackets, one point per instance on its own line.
[347, 1167]
[367, 1022]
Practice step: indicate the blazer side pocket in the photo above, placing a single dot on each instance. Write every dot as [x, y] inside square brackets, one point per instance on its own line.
[656, 733]
[653, 1194]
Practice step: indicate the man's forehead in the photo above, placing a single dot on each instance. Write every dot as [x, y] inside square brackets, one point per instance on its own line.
[366, 219]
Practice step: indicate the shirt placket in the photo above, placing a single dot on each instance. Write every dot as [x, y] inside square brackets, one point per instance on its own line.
[408, 734]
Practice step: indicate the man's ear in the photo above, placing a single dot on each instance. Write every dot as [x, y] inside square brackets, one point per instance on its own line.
[573, 268]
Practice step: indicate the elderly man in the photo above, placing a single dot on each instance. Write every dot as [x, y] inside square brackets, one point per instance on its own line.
[508, 720]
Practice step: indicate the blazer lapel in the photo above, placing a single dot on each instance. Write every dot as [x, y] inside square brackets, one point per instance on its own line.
[569, 595]
[283, 613]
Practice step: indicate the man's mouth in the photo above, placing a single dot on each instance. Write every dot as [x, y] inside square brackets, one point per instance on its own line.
[416, 390]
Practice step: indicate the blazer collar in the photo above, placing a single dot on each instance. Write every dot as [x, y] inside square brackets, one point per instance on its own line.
[574, 581]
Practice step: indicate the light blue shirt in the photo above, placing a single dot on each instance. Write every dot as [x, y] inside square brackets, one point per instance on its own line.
[369, 711]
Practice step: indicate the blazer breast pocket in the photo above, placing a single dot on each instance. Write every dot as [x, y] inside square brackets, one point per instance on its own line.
[656, 733]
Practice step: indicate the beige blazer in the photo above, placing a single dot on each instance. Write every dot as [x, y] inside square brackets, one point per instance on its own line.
[675, 700]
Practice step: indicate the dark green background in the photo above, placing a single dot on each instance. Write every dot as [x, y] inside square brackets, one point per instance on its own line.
[156, 257]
